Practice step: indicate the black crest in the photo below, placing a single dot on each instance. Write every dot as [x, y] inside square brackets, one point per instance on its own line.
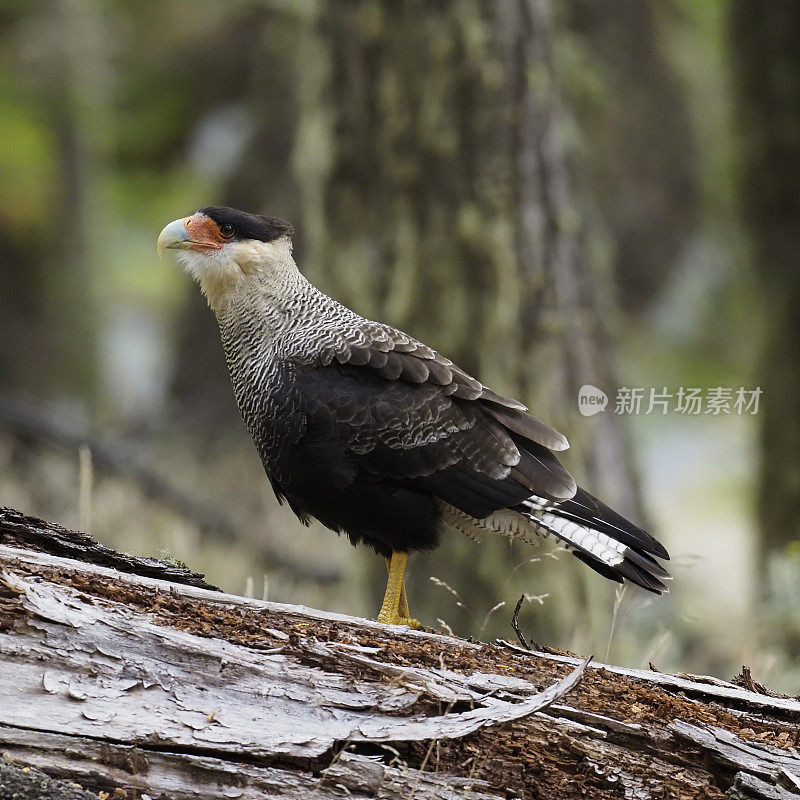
[249, 226]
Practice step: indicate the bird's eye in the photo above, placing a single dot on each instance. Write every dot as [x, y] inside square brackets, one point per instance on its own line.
[226, 231]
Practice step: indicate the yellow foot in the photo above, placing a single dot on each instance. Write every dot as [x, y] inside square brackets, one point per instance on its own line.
[396, 619]
[394, 610]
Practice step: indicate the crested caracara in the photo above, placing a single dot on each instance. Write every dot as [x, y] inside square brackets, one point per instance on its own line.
[373, 433]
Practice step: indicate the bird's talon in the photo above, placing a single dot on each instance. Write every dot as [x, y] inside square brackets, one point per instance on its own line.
[388, 619]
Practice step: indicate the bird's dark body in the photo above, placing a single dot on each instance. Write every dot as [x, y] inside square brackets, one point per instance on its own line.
[379, 436]
[319, 475]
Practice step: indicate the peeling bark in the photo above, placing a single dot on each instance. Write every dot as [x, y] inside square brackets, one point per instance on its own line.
[119, 681]
[32, 533]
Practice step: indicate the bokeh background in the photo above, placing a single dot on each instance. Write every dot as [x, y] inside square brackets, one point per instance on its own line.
[553, 193]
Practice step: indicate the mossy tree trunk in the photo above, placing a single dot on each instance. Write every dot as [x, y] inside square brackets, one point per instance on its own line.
[766, 60]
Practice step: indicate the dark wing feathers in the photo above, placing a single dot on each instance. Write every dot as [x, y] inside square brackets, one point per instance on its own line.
[415, 370]
[507, 402]
[539, 469]
[397, 356]
[358, 356]
[393, 368]
[473, 493]
[378, 358]
[407, 414]
[438, 373]
[626, 569]
[520, 422]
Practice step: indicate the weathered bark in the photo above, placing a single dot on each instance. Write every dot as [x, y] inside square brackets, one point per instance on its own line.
[31, 533]
[117, 681]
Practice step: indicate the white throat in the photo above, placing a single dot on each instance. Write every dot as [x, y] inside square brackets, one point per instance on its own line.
[239, 269]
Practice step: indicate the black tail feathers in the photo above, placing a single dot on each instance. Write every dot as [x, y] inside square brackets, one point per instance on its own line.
[602, 539]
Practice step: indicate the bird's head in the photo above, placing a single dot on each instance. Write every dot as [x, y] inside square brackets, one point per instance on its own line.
[223, 248]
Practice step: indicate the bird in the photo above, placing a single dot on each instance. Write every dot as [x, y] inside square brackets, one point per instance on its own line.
[376, 435]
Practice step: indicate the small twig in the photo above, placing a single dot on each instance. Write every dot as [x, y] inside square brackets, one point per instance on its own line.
[446, 627]
[745, 678]
[472, 769]
[515, 623]
[333, 761]
[524, 563]
[447, 587]
[496, 607]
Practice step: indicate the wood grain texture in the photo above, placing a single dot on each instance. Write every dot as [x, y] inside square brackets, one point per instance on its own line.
[119, 681]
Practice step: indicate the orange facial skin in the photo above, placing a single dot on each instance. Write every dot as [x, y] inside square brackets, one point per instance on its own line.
[204, 233]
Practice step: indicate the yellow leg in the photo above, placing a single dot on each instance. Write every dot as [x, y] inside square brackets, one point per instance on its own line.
[394, 610]
[402, 606]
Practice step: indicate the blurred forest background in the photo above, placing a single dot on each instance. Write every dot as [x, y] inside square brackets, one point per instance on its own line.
[551, 193]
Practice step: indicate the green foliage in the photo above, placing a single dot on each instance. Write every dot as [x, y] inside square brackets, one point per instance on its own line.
[28, 164]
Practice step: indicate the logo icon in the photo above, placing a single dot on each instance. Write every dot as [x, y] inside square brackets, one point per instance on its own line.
[591, 400]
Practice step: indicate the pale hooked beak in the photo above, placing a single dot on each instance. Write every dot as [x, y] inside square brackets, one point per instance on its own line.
[174, 237]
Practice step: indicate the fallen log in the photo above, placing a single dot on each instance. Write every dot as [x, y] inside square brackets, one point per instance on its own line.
[124, 684]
